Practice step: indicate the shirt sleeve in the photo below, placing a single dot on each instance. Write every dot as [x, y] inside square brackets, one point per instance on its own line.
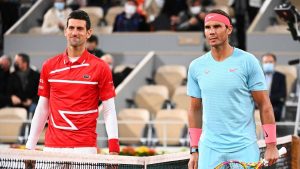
[44, 87]
[256, 77]
[193, 88]
[106, 85]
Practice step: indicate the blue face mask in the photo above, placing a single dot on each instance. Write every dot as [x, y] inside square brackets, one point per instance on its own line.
[59, 5]
[268, 67]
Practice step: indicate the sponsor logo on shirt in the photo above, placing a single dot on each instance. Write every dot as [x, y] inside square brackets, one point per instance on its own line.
[86, 76]
[206, 71]
[232, 69]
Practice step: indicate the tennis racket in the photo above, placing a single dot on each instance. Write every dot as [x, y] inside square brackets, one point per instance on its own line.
[242, 165]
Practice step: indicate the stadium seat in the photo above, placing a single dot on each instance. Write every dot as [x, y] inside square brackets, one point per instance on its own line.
[35, 30]
[151, 97]
[170, 76]
[290, 73]
[10, 131]
[169, 126]
[180, 98]
[277, 29]
[95, 13]
[296, 3]
[112, 13]
[132, 125]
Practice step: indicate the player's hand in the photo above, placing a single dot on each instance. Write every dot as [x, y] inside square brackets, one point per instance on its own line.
[193, 163]
[271, 154]
[113, 153]
[113, 166]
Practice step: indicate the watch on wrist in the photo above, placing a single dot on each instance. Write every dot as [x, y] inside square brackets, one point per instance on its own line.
[193, 150]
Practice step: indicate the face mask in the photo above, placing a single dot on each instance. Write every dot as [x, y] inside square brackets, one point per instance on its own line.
[268, 67]
[130, 9]
[16, 67]
[195, 9]
[160, 3]
[59, 5]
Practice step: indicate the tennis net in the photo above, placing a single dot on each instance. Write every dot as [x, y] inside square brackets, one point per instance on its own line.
[16, 159]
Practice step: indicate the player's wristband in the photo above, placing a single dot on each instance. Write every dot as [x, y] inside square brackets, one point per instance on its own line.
[113, 145]
[195, 134]
[269, 133]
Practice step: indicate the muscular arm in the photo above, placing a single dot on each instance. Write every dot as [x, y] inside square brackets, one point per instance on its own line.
[195, 113]
[195, 121]
[264, 105]
[267, 117]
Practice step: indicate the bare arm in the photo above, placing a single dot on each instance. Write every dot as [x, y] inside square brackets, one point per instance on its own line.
[267, 117]
[195, 113]
[265, 107]
[195, 121]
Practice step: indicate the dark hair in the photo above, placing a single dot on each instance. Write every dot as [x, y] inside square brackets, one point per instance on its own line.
[269, 54]
[24, 57]
[221, 12]
[93, 38]
[81, 15]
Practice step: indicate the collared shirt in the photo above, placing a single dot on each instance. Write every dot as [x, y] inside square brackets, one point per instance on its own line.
[73, 90]
[269, 78]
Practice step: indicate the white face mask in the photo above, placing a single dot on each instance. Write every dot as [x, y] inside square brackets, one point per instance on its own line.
[195, 9]
[268, 67]
[160, 3]
[129, 9]
[59, 5]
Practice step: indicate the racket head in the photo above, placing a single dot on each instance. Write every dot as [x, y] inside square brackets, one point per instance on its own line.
[231, 165]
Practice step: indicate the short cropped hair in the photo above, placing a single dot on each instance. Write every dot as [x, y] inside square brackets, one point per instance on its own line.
[24, 57]
[92, 39]
[270, 54]
[81, 15]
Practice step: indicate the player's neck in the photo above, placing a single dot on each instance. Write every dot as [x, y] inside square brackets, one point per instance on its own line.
[75, 51]
[220, 53]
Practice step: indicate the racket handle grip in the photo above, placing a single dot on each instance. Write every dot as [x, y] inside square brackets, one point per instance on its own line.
[282, 151]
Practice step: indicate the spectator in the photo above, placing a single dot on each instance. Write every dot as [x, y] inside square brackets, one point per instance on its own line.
[76, 4]
[130, 20]
[152, 9]
[192, 19]
[54, 19]
[245, 12]
[109, 60]
[9, 15]
[168, 16]
[276, 84]
[23, 83]
[5, 100]
[91, 46]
